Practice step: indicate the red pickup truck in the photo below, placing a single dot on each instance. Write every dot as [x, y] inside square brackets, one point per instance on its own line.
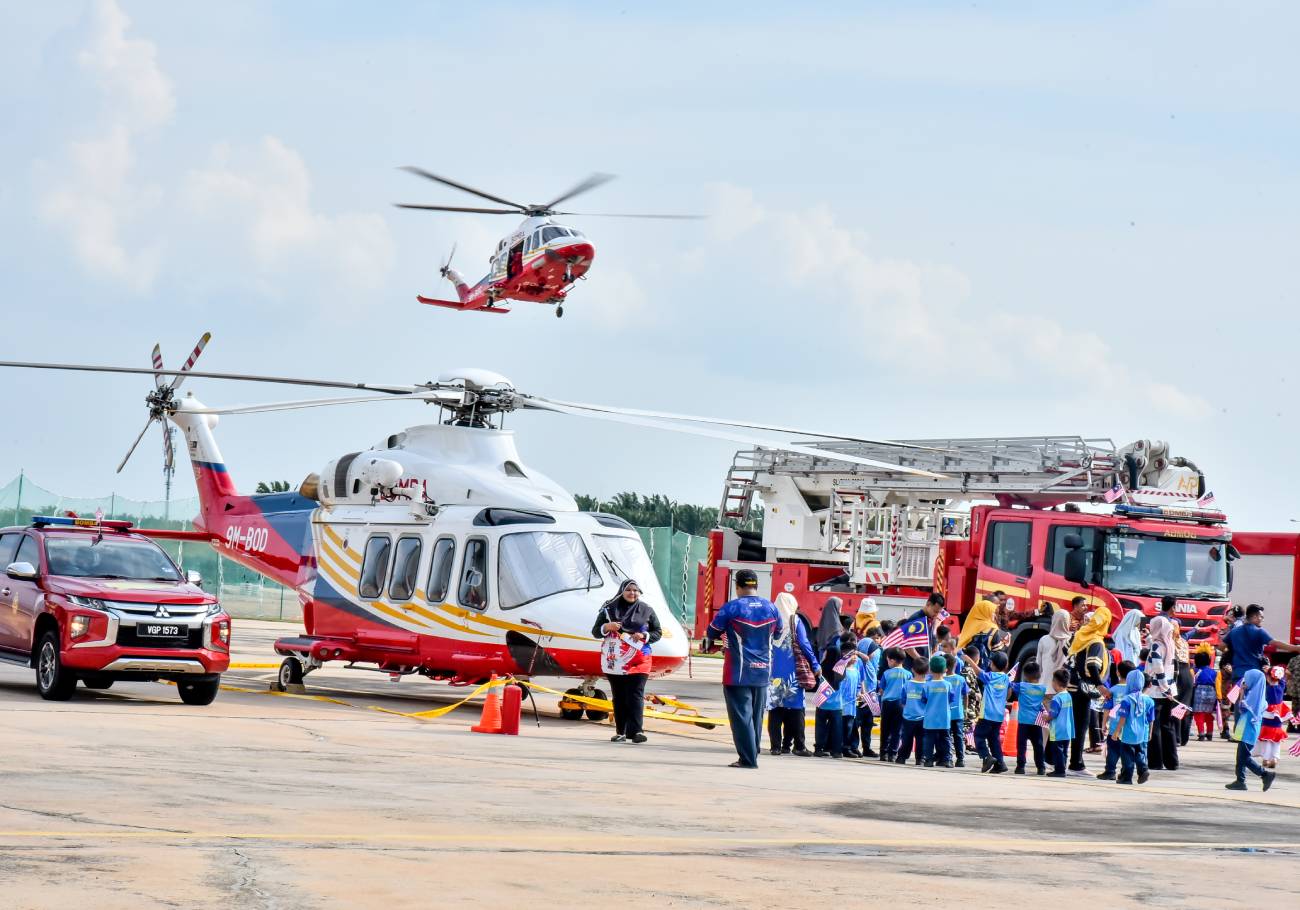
[92, 600]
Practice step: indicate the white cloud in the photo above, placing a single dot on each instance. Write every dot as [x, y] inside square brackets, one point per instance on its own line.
[265, 192]
[91, 197]
[911, 312]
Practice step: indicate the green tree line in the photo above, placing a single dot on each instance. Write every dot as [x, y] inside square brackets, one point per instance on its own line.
[658, 511]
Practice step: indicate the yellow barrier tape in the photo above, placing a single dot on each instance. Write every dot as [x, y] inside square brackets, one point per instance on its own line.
[604, 704]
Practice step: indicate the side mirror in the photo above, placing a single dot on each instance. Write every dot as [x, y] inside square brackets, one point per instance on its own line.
[1076, 566]
[194, 578]
[1073, 542]
[21, 570]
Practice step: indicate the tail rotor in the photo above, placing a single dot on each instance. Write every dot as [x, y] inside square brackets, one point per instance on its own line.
[161, 402]
[446, 266]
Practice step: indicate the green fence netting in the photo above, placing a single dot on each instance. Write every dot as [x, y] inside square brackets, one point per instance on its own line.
[675, 554]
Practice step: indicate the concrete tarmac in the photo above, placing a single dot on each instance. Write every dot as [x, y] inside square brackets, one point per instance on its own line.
[127, 798]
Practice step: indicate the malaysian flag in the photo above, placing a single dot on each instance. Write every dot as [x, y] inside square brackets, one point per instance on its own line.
[912, 634]
[1295, 749]
[1206, 501]
[1114, 492]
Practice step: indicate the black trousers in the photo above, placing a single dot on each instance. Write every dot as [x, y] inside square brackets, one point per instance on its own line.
[628, 695]
[1162, 751]
[1186, 686]
[1056, 750]
[913, 738]
[1032, 734]
[891, 725]
[863, 725]
[785, 728]
[988, 739]
[1081, 708]
[830, 731]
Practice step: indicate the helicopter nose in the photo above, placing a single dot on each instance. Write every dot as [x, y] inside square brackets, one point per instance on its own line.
[579, 252]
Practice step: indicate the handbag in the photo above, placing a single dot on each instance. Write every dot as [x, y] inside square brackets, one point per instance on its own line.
[803, 671]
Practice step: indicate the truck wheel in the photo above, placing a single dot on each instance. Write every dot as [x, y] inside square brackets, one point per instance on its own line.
[290, 674]
[53, 680]
[199, 691]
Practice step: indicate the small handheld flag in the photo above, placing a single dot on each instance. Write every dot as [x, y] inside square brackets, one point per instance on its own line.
[1295, 749]
[823, 692]
[913, 634]
[1114, 492]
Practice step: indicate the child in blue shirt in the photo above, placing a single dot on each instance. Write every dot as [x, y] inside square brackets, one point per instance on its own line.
[1060, 711]
[958, 691]
[1111, 722]
[937, 721]
[1133, 728]
[913, 735]
[891, 704]
[850, 686]
[988, 729]
[1029, 695]
[829, 719]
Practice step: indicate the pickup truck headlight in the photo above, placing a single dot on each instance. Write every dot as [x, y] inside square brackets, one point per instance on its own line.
[79, 625]
[87, 602]
[214, 609]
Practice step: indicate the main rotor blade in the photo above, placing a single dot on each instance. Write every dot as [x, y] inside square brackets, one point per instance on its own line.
[302, 403]
[772, 428]
[420, 172]
[189, 364]
[234, 377]
[457, 208]
[131, 451]
[723, 434]
[157, 365]
[590, 183]
[627, 215]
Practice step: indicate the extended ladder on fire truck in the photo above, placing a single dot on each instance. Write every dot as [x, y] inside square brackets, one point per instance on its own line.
[887, 524]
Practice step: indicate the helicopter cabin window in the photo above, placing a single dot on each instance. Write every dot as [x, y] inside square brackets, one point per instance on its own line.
[624, 557]
[374, 566]
[406, 568]
[444, 554]
[537, 564]
[473, 591]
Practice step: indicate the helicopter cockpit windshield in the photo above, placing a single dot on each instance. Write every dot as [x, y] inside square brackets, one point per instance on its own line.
[624, 557]
[537, 564]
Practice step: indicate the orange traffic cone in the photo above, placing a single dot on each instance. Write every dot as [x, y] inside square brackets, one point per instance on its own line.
[490, 721]
[1009, 731]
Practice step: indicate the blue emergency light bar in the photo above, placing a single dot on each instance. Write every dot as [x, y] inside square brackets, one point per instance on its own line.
[40, 521]
[1172, 513]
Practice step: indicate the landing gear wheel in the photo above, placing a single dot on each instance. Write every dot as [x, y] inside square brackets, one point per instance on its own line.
[574, 713]
[290, 674]
[53, 680]
[199, 691]
[595, 713]
[559, 311]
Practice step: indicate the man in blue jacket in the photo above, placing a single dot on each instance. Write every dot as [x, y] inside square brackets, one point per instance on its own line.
[750, 624]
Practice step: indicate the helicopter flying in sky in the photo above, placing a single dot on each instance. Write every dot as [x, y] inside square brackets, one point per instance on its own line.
[437, 551]
[537, 263]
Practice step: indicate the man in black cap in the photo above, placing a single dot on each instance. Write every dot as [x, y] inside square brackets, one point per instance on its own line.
[750, 624]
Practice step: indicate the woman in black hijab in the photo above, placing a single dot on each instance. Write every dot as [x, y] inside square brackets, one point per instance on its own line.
[627, 614]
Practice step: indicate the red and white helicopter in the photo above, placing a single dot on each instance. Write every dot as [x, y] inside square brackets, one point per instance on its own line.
[537, 263]
[436, 551]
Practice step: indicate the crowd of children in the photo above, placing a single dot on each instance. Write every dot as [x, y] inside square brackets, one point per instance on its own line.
[933, 709]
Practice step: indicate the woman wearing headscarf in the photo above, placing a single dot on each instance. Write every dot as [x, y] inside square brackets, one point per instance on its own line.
[626, 614]
[829, 627]
[978, 630]
[1089, 671]
[1128, 636]
[785, 700]
[1250, 717]
[866, 619]
[1054, 647]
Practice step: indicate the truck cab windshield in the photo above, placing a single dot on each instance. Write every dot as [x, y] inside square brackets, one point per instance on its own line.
[1153, 566]
[88, 557]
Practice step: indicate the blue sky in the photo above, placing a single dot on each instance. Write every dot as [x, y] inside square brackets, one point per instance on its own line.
[927, 219]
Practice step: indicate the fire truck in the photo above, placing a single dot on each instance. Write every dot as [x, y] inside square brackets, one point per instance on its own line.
[1042, 519]
[1268, 573]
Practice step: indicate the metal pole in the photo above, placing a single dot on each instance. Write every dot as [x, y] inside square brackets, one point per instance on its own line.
[18, 506]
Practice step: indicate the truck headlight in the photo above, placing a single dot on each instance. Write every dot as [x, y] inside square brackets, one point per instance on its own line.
[87, 602]
[214, 609]
[79, 625]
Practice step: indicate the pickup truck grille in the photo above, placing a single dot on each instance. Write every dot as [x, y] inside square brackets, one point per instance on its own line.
[127, 638]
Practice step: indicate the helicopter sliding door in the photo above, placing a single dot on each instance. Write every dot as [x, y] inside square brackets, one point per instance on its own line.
[515, 261]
